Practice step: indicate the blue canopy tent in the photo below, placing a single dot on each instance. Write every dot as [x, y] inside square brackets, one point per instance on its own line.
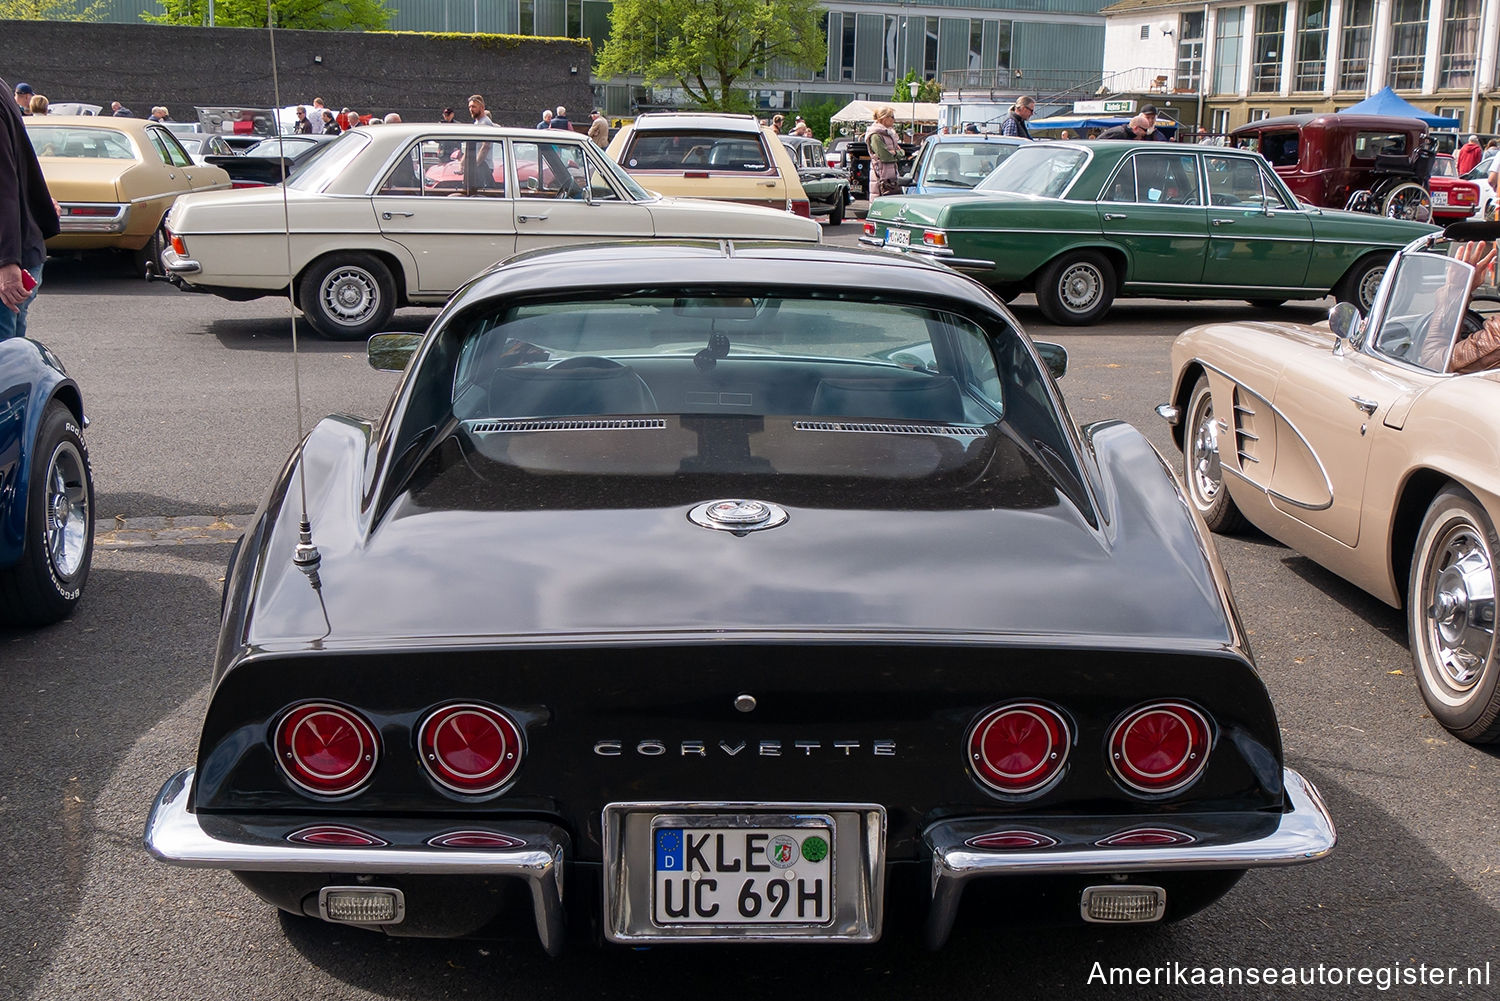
[1386, 102]
[1078, 123]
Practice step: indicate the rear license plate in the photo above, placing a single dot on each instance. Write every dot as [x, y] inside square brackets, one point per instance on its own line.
[1440, 198]
[742, 875]
[897, 238]
[742, 872]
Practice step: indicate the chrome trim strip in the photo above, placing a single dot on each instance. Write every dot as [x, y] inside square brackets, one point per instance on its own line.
[510, 425]
[1304, 833]
[174, 835]
[878, 427]
[180, 265]
[1227, 291]
[1265, 489]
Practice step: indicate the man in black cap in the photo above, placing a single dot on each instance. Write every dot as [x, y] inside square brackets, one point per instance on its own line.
[28, 215]
[1154, 134]
[23, 97]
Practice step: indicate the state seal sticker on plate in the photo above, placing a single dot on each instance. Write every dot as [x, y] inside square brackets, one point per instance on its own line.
[743, 875]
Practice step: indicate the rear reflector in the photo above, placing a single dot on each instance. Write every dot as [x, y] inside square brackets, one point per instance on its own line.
[1146, 837]
[362, 905]
[178, 247]
[1122, 905]
[334, 834]
[1011, 841]
[475, 839]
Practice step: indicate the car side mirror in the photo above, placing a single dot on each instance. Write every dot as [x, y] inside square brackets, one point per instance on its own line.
[392, 352]
[1054, 356]
[1347, 325]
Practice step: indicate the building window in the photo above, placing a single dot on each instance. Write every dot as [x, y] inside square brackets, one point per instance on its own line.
[1354, 63]
[1229, 32]
[1145, 32]
[1221, 121]
[846, 62]
[528, 17]
[1460, 49]
[1312, 45]
[930, 56]
[1457, 114]
[1002, 58]
[976, 44]
[1190, 52]
[1265, 68]
[1408, 43]
[1258, 114]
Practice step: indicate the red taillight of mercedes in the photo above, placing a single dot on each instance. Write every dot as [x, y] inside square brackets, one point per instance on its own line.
[326, 749]
[1019, 748]
[1161, 747]
[469, 748]
[799, 206]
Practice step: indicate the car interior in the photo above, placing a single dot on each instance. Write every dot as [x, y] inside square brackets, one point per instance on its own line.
[678, 150]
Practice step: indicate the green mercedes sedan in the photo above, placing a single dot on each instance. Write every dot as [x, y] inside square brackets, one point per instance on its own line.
[1081, 223]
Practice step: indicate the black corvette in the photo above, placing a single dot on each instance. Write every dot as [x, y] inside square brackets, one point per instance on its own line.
[730, 592]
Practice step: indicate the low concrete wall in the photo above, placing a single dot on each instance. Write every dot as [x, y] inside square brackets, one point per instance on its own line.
[141, 65]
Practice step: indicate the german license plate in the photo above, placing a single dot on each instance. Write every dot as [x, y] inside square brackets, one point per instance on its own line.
[1440, 199]
[897, 238]
[742, 875]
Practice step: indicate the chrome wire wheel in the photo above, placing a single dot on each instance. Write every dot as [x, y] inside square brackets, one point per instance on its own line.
[1202, 465]
[1080, 287]
[350, 295]
[1451, 616]
[67, 501]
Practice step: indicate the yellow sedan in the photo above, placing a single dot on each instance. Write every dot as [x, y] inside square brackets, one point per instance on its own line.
[115, 179]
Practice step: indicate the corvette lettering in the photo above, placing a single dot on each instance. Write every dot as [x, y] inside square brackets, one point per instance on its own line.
[760, 748]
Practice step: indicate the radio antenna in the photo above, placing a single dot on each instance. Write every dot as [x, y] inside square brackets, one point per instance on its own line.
[306, 556]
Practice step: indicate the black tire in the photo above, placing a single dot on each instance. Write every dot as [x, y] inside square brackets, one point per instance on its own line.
[1202, 474]
[45, 585]
[148, 259]
[1407, 201]
[1076, 288]
[1361, 282]
[347, 297]
[1450, 613]
[836, 217]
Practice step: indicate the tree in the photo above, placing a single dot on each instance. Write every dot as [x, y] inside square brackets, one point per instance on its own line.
[312, 15]
[51, 10]
[929, 91]
[707, 46]
[818, 114]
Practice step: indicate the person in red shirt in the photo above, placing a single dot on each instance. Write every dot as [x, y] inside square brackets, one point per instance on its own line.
[1468, 155]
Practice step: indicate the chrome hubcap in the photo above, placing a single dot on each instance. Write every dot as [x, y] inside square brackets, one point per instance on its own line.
[1206, 472]
[350, 295]
[67, 500]
[1080, 287]
[1461, 611]
[1368, 286]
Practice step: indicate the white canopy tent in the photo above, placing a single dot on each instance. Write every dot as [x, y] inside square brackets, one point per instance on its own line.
[863, 112]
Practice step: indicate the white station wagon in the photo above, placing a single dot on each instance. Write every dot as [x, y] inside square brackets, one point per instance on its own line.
[405, 214]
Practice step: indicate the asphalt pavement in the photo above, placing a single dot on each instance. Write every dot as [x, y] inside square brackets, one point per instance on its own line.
[192, 413]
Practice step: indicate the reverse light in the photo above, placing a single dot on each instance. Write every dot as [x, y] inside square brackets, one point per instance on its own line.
[1123, 904]
[1019, 748]
[1161, 747]
[362, 905]
[326, 749]
[869, 228]
[470, 748]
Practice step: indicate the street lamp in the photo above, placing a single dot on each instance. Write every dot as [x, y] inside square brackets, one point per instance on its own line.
[914, 86]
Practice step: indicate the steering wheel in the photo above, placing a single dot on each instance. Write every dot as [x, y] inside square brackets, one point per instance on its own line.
[1473, 319]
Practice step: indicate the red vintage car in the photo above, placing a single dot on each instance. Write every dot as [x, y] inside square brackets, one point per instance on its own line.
[1329, 160]
[1452, 198]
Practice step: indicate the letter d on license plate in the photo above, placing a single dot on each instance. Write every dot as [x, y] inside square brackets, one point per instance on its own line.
[743, 875]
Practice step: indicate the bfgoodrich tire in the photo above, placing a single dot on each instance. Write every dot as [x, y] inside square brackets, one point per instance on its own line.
[45, 585]
[1076, 289]
[347, 297]
[1450, 612]
[1202, 471]
[1361, 282]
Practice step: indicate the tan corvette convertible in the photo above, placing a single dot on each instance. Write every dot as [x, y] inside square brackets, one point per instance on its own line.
[1356, 444]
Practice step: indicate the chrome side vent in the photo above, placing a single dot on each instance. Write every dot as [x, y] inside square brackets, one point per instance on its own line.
[571, 424]
[1246, 441]
[943, 430]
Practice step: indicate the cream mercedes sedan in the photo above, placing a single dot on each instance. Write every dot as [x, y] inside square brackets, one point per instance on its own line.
[405, 214]
[1369, 444]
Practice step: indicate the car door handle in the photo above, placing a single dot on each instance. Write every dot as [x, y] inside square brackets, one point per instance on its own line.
[1368, 406]
[766, 184]
[387, 215]
[529, 218]
[1223, 222]
[1111, 216]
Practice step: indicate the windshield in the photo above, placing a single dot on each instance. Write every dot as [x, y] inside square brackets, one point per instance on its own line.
[621, 178]
[1423, 311]
[82, 143]
[1042, 169]
[964, 164]
[318, 169]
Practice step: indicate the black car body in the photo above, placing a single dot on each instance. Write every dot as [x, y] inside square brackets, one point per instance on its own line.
[827, 187]
[736, 561]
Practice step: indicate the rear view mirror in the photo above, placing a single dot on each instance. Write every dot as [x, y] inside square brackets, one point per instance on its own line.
[1344, 320]
[1054, 356]
[392, 352]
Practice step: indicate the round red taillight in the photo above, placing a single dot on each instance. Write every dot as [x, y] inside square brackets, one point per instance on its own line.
[326, 749]
[1019, 748]
[1160, 748]
[470, 748]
